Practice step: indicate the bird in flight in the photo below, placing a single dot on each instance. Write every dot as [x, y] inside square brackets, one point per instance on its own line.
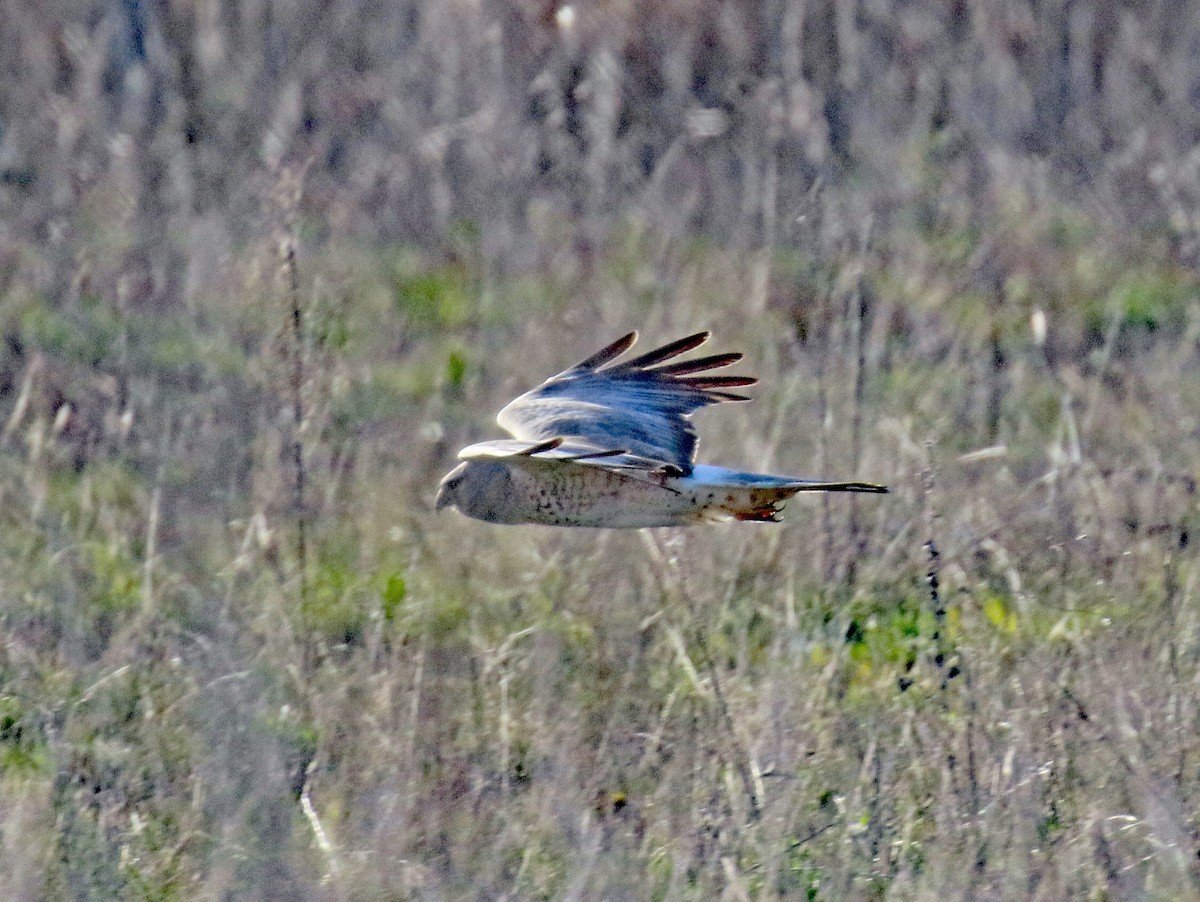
[608, 443]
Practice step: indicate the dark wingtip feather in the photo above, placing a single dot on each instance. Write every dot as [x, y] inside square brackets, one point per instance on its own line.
[666, 352]
[718, 381]
[716, 361]
[726, 396]
[614, 350]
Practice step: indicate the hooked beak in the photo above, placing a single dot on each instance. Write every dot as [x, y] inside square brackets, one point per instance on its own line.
[445, 492]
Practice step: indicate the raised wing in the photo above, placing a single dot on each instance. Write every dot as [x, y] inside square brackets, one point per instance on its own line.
[640, 406]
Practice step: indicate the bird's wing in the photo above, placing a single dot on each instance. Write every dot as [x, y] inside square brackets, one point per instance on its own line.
[640, 406]
[557, 449]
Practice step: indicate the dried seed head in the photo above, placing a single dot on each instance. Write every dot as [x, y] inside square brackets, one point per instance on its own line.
[1037, 324]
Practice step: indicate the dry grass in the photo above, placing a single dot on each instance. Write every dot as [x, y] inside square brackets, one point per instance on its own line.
[243, 659]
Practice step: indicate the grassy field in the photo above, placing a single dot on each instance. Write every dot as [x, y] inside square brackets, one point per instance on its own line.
[264, 270]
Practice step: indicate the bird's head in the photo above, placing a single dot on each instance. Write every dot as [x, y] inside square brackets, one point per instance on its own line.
[479, 489]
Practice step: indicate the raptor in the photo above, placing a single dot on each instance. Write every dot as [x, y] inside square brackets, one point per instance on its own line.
[610, 443]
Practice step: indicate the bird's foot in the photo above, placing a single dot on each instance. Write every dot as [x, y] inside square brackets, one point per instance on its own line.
[768, 513]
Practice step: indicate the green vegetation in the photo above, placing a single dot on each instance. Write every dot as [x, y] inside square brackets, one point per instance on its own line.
[682, 710]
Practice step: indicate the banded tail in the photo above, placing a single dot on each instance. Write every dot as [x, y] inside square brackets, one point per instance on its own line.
[755, 497]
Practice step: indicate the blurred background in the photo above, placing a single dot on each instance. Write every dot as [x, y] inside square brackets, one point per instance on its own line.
[265, 266]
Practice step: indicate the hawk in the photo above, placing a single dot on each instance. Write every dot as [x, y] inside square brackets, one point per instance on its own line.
[610, 443]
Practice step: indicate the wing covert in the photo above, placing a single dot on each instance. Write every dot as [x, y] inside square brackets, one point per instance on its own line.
[558, 450]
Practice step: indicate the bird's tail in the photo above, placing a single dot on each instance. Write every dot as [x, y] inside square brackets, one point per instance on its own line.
[758, 497]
